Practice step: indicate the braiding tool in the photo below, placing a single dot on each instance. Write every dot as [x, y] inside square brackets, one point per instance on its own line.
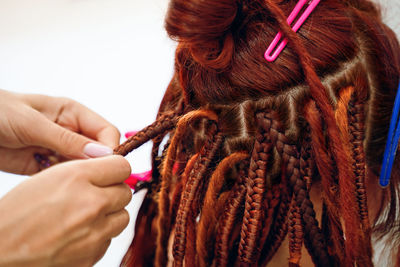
[391, 143]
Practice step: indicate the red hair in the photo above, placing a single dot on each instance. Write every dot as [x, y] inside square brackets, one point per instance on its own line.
[253, 137]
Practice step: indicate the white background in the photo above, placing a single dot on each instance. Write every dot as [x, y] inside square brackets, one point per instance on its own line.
[111, 55]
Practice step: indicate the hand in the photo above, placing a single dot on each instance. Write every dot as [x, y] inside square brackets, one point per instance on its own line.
[65, 215]
[32, 124]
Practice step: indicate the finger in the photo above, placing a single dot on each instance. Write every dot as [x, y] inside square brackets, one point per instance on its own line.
[50, 135]
[106, 171]
[101, 252]
[118, 197]
[89, 123]
[21, 160]
[83, 251]
[110, 136]
[116, 223]
[76, 117]
[47, 105]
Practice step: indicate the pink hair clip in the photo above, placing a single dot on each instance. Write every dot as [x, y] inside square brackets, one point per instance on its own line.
[295, 28]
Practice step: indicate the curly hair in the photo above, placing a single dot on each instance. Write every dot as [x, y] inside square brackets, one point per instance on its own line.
[262, 153]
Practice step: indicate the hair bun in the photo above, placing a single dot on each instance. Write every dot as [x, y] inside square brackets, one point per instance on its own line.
[204, 27]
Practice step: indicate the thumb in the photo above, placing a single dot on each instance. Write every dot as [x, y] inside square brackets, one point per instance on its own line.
[66, 142]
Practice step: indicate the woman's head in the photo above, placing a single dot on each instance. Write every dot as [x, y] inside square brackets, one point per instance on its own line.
[248, 138]
[219, 59]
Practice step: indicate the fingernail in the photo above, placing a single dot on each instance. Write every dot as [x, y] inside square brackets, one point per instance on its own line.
[96, 150]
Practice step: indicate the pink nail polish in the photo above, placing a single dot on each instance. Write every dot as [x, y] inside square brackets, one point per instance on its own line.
[94, 150]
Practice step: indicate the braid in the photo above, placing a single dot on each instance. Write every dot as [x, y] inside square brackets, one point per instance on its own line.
[176, 195]
[206, 155]
[191, 227]
[181, 129]
[306, 171]
[325, 166]
[191, 224]
[279, 229]
[356, 127]
[297, 123]
[271, 203]
[355, 156]
[306, 161]
[314, 239]
[148, 210]
[209, 217]
[255, 187]
[172, 100]
[322, 157]
[320, 94]
[191, 255]
[161, 125]
[231, 215]
[164, 218]
[280, 226]
[296, 235]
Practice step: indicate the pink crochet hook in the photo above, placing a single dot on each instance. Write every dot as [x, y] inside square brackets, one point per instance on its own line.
[295, 28]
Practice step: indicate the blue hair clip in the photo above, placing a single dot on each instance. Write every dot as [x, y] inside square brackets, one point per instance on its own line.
[391, 143]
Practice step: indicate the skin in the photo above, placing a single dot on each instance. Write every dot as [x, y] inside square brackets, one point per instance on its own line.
[44, 124]
[67, 214]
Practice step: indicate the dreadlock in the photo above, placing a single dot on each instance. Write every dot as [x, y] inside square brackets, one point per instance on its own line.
[266, 159]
